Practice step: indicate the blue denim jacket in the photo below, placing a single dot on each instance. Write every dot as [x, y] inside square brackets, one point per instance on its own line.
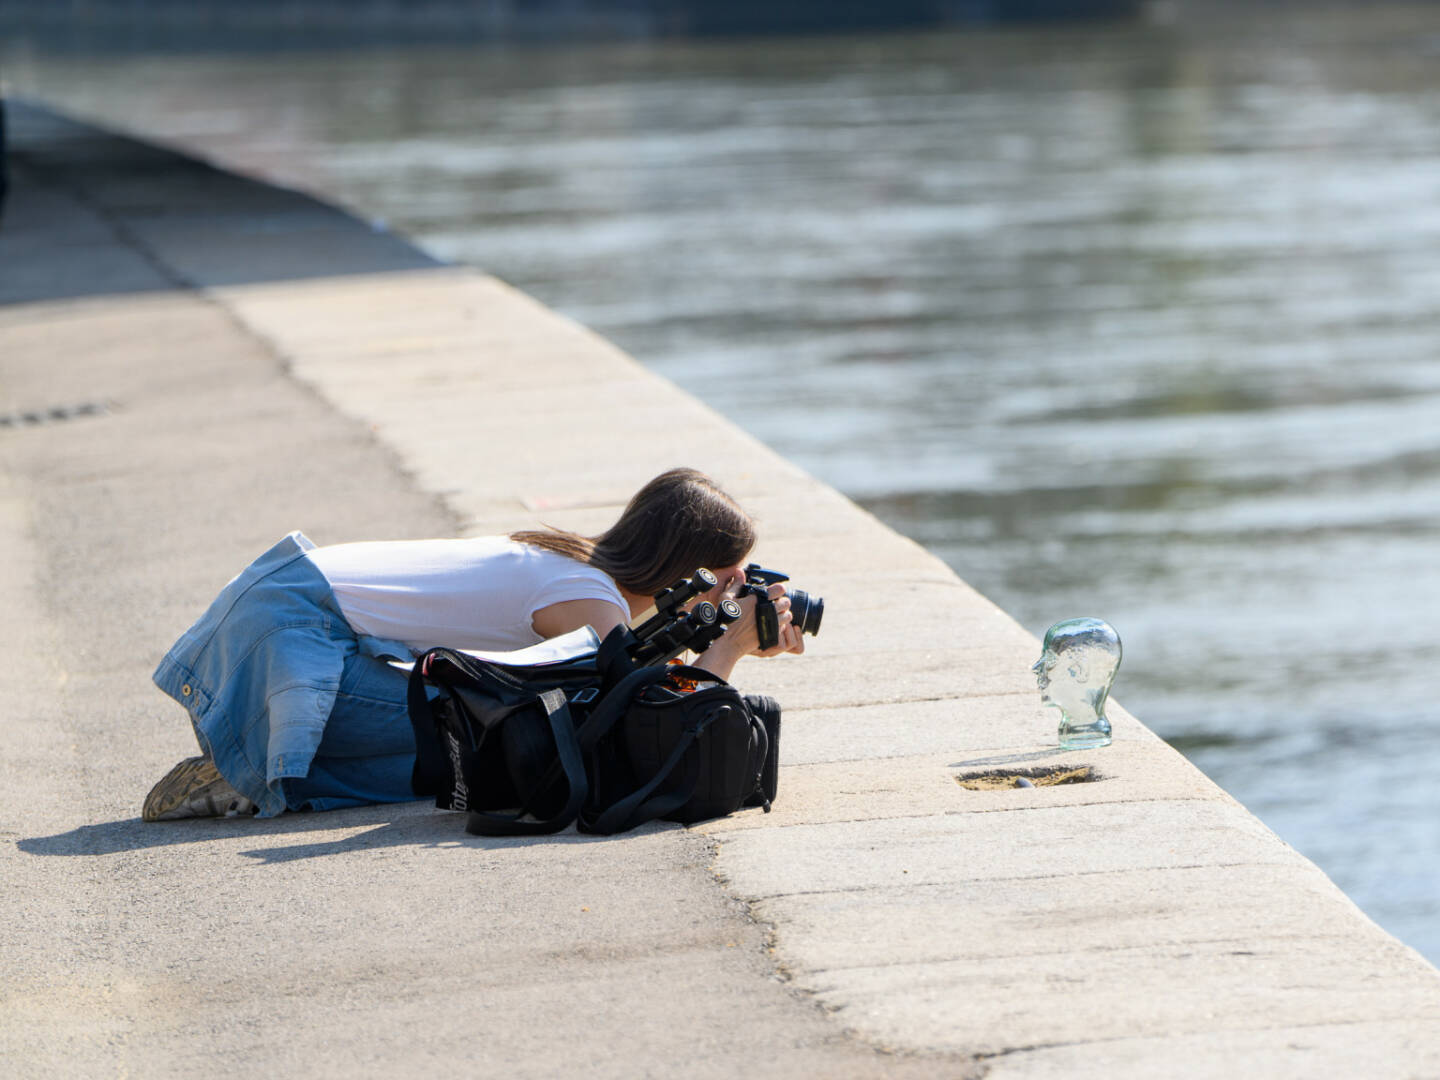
[259, 673]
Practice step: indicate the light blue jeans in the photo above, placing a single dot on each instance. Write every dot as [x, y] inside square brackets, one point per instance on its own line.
[296, 709]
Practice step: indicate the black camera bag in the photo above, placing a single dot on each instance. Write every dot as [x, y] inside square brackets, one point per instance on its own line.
[683, 755]
[593, 741]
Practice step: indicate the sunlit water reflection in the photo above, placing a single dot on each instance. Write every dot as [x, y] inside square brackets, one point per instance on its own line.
[1137, 322]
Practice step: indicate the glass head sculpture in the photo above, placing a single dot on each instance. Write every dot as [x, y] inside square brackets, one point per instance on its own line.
[1074, 673]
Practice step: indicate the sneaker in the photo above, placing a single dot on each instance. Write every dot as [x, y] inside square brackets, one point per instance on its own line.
[194, 788]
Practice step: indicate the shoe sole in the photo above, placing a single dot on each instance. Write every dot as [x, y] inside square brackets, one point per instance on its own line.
[180, 785]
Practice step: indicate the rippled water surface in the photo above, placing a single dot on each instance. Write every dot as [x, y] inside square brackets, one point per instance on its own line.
[1133, 321]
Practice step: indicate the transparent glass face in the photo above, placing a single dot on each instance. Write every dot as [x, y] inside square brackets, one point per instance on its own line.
[1075, 671]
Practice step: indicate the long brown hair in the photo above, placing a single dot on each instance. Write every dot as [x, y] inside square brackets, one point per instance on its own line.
[675, 524]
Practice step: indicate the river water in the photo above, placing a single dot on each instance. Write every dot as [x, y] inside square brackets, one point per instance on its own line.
[1137, 321]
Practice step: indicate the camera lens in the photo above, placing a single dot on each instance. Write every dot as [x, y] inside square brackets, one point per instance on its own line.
[806, 611]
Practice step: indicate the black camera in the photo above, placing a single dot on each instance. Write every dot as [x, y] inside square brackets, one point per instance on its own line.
[806, 611]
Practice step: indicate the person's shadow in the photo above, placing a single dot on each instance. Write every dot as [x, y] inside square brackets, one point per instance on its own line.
[415, 824]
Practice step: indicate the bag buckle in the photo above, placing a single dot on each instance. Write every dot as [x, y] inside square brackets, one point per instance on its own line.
[584, 696]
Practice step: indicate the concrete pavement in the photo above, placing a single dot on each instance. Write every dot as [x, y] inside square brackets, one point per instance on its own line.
[266, 363]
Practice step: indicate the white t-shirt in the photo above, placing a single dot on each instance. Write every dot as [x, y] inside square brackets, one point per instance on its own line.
[480, 593]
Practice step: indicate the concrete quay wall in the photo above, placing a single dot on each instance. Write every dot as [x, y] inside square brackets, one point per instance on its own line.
[266, 362]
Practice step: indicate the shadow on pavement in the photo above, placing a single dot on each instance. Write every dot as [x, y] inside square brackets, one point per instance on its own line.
[215, 228]
[394, 825]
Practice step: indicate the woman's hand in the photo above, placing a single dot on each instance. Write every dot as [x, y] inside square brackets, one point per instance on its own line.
[741, 638]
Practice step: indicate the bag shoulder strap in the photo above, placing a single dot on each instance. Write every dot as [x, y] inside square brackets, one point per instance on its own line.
[616, 701]
[490, 823]
[432, 767]
[638, 807]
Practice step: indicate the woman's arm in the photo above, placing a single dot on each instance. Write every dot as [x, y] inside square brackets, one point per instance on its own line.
[561, 618]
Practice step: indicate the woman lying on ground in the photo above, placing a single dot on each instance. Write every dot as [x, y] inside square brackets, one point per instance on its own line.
[286, 676]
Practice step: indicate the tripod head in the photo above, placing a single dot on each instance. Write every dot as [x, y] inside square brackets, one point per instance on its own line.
[665, 631]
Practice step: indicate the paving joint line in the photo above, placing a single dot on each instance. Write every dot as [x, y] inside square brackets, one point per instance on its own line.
[860, 889]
